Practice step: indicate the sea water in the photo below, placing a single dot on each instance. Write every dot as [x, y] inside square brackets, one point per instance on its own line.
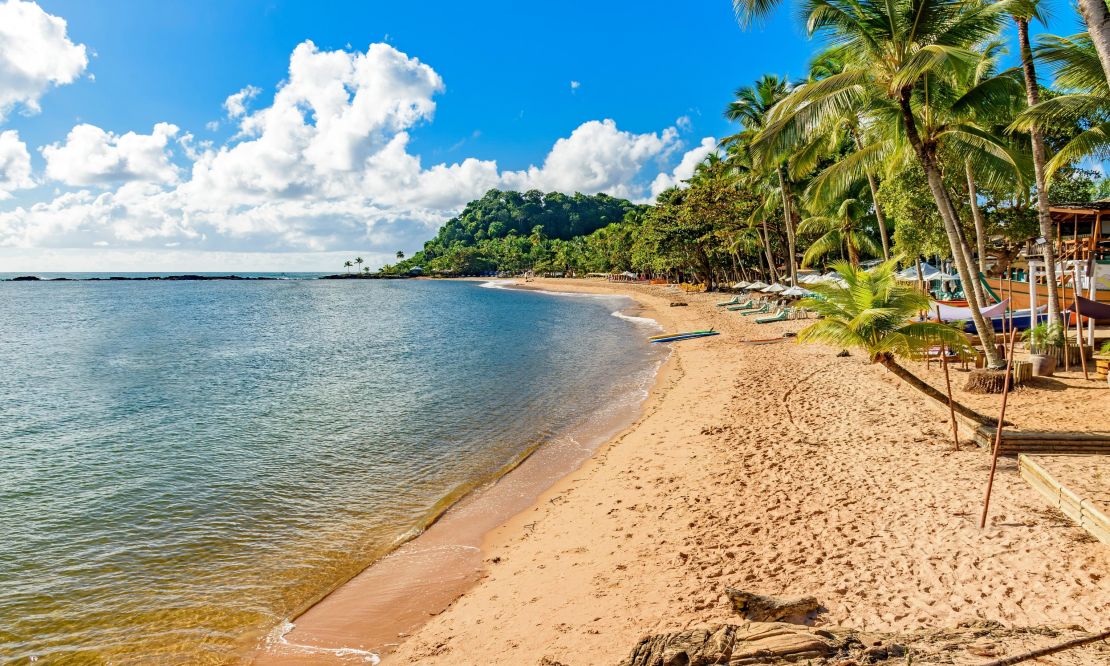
[186, 465]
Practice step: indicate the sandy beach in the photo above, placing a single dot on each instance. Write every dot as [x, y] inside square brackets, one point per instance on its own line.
[780, 469]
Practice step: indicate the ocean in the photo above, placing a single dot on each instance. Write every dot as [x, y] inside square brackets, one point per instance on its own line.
[187, 465]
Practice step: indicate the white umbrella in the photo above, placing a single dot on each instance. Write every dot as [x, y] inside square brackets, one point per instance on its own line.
[796, 291]
[741, 285]
[774, 289]
[757, 285]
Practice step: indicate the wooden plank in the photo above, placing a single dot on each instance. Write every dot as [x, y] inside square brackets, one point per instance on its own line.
[1080, 509]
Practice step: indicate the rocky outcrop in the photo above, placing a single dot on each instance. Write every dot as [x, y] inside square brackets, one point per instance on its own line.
[755, 643]
[763, 608]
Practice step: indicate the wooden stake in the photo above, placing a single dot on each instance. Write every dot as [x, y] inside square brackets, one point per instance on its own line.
[998, 430]
[948, 385]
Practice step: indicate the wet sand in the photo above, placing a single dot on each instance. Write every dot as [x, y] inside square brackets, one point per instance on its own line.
[779, 469]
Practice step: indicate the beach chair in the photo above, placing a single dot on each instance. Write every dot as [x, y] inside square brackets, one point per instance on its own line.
[781, 315]
[764, 309]
[734, 301]
[746, 305]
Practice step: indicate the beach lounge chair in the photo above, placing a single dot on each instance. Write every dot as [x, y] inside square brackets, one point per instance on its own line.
[734, 301]
[781, 315]
[764, 309]
[746, 305]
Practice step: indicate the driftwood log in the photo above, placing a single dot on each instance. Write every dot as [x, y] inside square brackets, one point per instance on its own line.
[762, 608]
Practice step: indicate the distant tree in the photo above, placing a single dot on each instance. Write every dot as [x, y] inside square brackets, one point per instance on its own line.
[358, 260]
[400, 255]
[347, 264]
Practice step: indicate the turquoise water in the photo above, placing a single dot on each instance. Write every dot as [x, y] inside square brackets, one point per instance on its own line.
[186, 464]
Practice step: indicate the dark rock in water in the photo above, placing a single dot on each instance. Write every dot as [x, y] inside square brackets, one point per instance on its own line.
[26, 278]
[761, 608]
[731, 644]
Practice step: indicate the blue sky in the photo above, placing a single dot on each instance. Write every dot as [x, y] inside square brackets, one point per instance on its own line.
[503, 94]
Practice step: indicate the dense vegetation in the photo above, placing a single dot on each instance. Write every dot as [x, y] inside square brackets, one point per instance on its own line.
[912, 136]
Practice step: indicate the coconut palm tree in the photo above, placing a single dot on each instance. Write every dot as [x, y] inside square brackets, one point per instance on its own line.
[1097, 17]
[358, 261]
[844, 228]
[873, 312]
[347, 264]
[400, 255]
[751, 108]
[1024, 11]
[907, 50]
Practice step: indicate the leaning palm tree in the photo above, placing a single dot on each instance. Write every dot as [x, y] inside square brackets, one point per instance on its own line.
[873, 311]
[844, 228]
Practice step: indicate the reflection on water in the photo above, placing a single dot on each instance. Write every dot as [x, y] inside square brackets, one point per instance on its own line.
[185, 464]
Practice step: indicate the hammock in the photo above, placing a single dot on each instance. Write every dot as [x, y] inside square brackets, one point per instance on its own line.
[1089, 308]
[952, 313]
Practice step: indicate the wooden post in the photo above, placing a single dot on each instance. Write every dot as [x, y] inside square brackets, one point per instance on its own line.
[1078, 318]
[948, 386]
[998, 431]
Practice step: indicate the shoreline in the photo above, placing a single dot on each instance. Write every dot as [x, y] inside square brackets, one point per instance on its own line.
[780, 469]
[311, 636]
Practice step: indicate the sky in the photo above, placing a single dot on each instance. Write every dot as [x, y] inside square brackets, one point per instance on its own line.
[275, 135]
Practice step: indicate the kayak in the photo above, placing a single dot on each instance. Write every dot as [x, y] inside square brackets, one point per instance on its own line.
[673, 335]
[686, 336]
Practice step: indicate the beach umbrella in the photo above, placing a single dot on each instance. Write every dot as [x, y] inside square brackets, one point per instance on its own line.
[757, 285]
[797, 292]
[741, 285]
[774, 289]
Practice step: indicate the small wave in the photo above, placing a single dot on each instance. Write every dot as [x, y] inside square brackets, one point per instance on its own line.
[279, 636]
[498, 284]
[647, 321]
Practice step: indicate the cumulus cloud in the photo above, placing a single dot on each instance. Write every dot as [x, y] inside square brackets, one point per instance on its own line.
[92, 156]
[35, 54]
[15, 164]
[575, 85]
[324, 165]
[685, 168]
[236, 105]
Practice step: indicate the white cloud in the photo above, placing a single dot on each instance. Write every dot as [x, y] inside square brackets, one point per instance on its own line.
[212, 125]
[91, 156]
[684, 123]
[236, 105]
[324, 167]
[35, 53]
[685, 168]
[15, 164]
[575, 85]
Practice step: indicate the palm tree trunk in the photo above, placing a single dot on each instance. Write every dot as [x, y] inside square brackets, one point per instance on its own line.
[1033, 96]
[880, 216]
[771, 272]
[951, 222]
[976, 286]
[916, 382]
[1097, 17]
[788, 215]
[977, 215]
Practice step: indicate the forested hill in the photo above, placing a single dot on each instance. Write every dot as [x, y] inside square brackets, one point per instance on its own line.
[501, 228]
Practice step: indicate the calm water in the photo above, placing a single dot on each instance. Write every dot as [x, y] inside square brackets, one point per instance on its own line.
[183, 465]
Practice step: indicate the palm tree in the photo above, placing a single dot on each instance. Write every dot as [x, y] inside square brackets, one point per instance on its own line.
[1024, 11]
[400, 255]
[906, 50]
[842, 229]
[751, 108]
[347, 264]
[358, 260]
[872, 311]
[1097, 17]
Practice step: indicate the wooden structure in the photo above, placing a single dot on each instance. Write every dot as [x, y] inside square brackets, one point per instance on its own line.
[1085, 511]
[1016, 443]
